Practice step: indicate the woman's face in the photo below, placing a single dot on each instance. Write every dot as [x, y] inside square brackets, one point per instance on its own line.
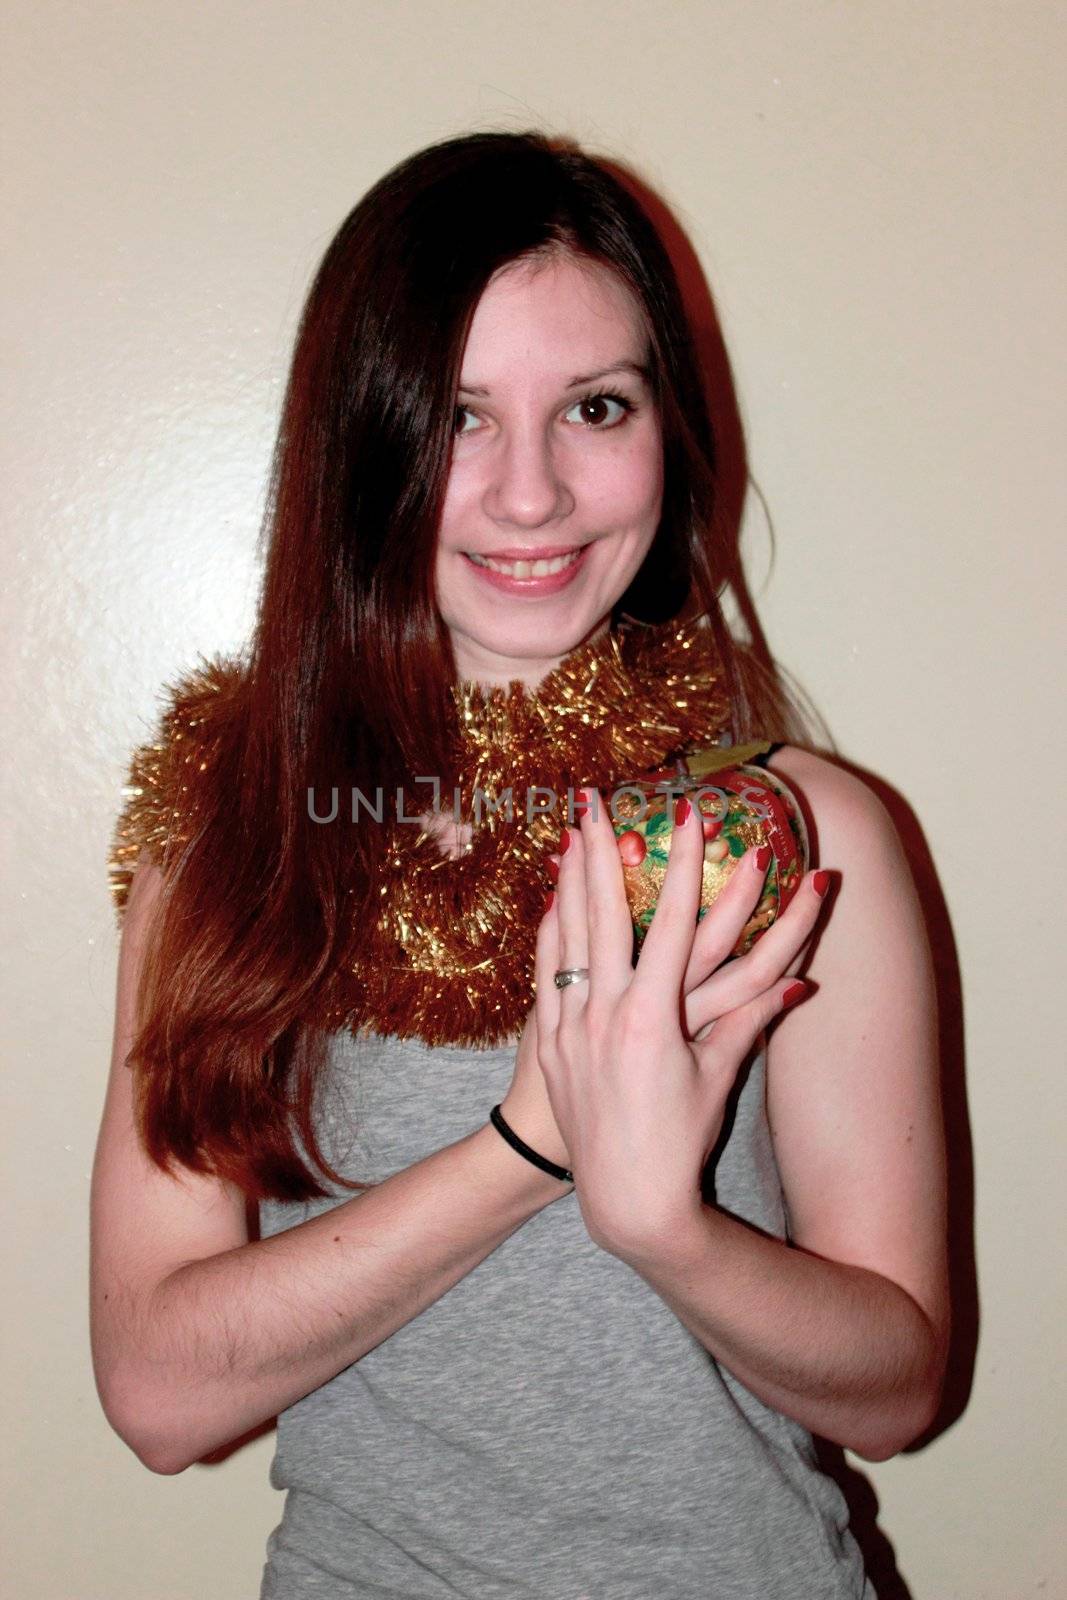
[557, 453]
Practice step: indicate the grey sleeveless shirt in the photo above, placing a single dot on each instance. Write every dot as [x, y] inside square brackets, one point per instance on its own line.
[548, 1427]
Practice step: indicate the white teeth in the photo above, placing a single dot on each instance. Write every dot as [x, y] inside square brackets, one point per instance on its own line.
[526, 569]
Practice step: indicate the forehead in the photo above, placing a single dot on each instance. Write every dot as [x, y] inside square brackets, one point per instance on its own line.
[553, 312]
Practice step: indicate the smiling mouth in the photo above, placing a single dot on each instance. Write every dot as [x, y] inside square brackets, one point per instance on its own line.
[541, 568]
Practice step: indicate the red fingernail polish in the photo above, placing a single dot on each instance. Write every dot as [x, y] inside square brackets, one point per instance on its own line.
[763, 857]
[583, 804]
[682, 808]
[564, 841]
[712, 826]
[549, 897]
[552, 868]
[820, 883]
[795, 992]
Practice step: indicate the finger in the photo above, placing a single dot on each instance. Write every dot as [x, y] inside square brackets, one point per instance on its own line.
[735, 1033]
[546, 960]
[610, 930]
[776, 953]
[720, 927]
[571, 911]
[669, 940]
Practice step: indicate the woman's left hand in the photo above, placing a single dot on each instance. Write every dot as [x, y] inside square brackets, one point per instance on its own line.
[639, 1102]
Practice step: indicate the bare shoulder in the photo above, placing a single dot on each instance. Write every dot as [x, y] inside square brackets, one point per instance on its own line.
[843, 813]
[873, 917]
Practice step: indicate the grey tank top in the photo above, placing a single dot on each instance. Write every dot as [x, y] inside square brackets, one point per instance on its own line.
[548, 1427]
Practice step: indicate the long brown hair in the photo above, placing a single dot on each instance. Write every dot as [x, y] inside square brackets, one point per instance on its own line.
[348, 672]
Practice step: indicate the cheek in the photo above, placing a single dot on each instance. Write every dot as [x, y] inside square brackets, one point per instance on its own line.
[652, 470]
[632, 489]
[631, 478]
[455, 517]
[448, 518]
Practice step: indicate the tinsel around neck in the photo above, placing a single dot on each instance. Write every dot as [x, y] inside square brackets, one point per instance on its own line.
[615, 704]
[449, 958]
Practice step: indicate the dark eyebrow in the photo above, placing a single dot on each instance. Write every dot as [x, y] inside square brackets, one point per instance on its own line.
[637, 368]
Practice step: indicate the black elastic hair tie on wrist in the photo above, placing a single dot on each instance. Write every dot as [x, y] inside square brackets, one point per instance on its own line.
[524, 1149]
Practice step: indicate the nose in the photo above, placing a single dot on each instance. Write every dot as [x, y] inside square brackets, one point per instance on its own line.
[525, 487]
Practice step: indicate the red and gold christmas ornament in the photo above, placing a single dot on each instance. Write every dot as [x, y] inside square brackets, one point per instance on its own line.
[741, 805]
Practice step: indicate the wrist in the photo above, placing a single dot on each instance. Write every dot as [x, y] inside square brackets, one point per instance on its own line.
[680, 1239]
[511, 1176]
[535, 1127]
[555, 1169]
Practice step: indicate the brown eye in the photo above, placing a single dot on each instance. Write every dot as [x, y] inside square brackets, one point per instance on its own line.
[595, 407]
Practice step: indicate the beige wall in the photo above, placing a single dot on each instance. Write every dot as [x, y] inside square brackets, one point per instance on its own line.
[870, 188]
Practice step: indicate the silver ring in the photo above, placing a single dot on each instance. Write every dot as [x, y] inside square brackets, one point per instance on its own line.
[567, 975]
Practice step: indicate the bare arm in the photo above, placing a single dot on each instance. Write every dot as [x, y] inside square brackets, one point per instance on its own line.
[199, 1334]
[847, 1328]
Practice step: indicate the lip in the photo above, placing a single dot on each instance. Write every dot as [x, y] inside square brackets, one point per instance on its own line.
[540, 552]
[533, 587]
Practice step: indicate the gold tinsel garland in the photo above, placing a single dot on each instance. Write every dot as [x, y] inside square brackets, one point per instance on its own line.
[168, 775]
[450, 957]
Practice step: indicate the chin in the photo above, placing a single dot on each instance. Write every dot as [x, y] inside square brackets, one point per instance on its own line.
[529, 638]
[514, 641]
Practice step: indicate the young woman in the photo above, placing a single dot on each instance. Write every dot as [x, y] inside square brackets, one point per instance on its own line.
[578, 1347]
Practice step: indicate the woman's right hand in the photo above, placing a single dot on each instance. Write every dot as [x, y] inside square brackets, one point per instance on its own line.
[526, 1109]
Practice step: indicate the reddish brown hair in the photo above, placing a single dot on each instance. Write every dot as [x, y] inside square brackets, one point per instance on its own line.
[346, 679]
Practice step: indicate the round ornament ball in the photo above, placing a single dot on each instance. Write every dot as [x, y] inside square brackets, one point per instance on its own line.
[741, 805]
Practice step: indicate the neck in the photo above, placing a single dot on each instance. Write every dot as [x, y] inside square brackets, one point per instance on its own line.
[487, 670]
